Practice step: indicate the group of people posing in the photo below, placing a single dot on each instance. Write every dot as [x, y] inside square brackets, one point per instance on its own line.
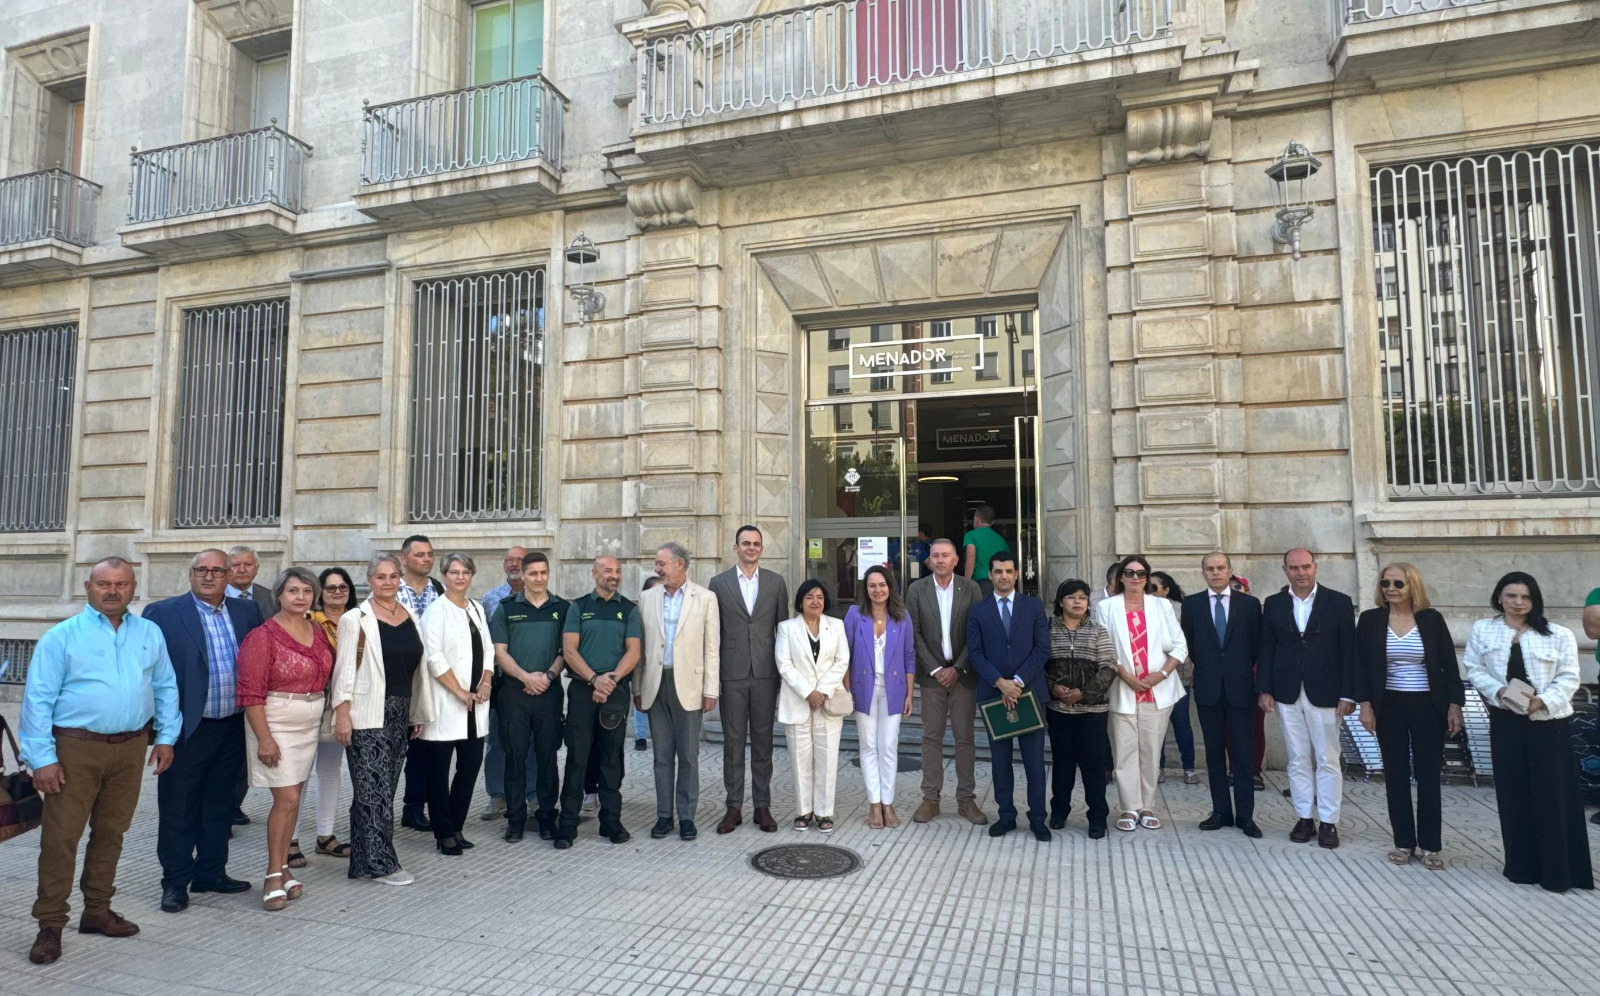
[233, 685]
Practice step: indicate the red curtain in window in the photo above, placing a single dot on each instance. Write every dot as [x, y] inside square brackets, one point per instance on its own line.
[905, 39]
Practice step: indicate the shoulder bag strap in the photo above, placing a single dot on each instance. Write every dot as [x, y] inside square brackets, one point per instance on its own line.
[16, 751]
[361, 642]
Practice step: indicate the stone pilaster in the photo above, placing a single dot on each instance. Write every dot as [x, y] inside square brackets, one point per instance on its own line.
[1177, 428]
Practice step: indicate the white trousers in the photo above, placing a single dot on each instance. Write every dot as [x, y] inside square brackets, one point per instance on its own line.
[1136, 740]
[1311, 736]
[879, 733]
[330, 756]
[814, 749]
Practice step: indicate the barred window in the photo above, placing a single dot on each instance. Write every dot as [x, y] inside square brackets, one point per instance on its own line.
[228, 458]
[37, 373]
[15, 656]
[1488, 283]
[477, 349]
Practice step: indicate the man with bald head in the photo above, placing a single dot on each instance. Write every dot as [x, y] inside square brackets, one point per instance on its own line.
[100, 689]
[195, 797]
[494, 758]
[1220, 626]
[1306, 673]
[600, 646]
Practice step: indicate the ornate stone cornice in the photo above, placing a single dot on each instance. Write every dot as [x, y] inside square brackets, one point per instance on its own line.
[663, 203]
[54, 60]
[1169, 132]
[239, 18]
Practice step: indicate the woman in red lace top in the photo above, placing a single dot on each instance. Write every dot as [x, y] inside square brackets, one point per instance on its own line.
[283, 668]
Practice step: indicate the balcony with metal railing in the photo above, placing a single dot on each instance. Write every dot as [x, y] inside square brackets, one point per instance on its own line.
[46, 218]
[838, 74]
[232, 191]
[1390, 37]
[462, 152]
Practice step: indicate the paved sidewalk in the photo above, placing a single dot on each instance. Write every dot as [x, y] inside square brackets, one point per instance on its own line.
[938, 908]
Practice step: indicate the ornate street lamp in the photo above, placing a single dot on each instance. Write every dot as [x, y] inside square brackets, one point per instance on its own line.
[581, 258]
[1291, 174]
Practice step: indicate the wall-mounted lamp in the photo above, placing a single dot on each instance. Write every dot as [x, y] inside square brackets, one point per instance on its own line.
[1291, 174]
[581, 257]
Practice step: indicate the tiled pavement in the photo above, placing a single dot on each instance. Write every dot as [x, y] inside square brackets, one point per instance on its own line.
[939, 908]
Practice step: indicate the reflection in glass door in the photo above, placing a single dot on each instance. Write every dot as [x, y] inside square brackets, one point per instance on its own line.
[860, 494]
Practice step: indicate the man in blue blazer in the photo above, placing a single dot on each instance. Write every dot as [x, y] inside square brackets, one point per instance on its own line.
[1221, 626]
[195, 796]
[1008, 643]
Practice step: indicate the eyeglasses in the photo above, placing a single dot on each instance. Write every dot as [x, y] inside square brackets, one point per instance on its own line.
[335, 587]
[208, 572]
[1135, 574]
[1391, 583]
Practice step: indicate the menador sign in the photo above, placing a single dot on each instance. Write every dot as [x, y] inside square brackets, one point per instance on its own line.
[901, 357]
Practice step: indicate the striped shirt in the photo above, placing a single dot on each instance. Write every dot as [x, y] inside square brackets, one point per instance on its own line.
[222, 655]
[1406, 670]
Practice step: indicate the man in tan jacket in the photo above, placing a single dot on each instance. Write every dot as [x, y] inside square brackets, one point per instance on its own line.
[678, 683]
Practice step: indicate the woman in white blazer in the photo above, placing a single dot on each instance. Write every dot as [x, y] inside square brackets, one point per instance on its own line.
[1150, 646]
[813, 658]
[460, 660]
[380, 701]
[1536, 780]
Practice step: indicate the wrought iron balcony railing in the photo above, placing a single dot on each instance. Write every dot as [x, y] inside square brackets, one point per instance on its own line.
[48, 204]
[264, 166]
[834, 48]
[509, 121]
[1362, 11]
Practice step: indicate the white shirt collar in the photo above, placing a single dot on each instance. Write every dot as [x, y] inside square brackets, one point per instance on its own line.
[944, 587]
[747, 577]
[1225, 593]
[1310, 595]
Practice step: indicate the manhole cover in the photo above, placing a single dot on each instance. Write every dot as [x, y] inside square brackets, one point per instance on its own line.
[905, 762]
[805, 861]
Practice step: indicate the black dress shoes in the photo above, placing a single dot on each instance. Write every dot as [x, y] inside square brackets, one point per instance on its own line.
[1216, 821]
[1250, 829]
[1058, 822]
[1303, 831]
[686, 830]
[562, 843]
[174, 899]
[413, 818]
[1041, 833]
[466, 845]
[240, 819]
[547, 830]
[999, 828]
[662, 828]
[1328, 836]
[513, 833]
[1097, 833]
[224, 885]
[617, 835]
[452, 848]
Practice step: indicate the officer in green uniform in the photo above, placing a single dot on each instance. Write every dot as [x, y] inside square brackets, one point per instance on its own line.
[527, 632]
[601, 645]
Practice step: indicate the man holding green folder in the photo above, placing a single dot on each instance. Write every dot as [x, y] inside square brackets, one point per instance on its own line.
[1008, 642]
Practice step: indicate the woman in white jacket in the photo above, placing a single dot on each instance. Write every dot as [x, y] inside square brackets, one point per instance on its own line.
[813, 659]
[460, 660]
[1536, 781]
[1150, 646]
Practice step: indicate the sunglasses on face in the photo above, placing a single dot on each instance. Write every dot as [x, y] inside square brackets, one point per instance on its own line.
[336, 587]
[1390, 583]
[1135, 574]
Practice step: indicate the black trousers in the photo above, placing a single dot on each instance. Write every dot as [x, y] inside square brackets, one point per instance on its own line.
[195, 800]
[1031, 747]
[1078, 743]
[449, 798]
[1411, 730]
[1226, 726]
[416, 777]
[585, 739]
[525, 719]
[1540, 798]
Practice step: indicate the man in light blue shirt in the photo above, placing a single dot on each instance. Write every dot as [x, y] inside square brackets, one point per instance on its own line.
[97, 684]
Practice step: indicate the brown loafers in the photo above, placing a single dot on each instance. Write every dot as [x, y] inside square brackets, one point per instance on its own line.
[764, 820]
[730, 821]
[107, 922]
[46, 947]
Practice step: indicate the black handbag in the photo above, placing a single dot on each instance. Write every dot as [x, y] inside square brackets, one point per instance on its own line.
[21, 807]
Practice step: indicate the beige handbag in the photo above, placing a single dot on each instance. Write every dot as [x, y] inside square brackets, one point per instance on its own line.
[840, 703]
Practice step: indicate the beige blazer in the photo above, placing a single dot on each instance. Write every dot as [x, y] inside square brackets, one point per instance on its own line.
[696, 653]
[362, 684]
[802, 676]
[1163, 638]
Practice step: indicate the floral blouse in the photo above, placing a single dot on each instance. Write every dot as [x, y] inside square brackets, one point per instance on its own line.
[270, 660]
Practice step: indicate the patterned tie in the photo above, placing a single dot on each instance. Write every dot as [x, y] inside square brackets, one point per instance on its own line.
[1005, 614]
[1219, 619]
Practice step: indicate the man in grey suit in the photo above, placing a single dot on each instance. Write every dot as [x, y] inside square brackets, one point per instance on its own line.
[243, 566]
[752, 602]
[939, 605]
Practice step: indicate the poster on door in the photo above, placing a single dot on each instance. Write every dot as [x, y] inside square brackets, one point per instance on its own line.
[871, 551]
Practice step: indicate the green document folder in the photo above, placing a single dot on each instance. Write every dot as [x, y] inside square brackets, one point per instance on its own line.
[1003, 723]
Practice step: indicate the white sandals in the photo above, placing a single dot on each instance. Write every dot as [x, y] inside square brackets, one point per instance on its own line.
[276, 899]
[291, 886]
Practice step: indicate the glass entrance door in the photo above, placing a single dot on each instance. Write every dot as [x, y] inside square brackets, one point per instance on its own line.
[860, 494]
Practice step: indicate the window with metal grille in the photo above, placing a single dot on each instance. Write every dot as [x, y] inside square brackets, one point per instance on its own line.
[477, 366]
[37, 372]
[228, 457]
[14, 658]
[1488, 283]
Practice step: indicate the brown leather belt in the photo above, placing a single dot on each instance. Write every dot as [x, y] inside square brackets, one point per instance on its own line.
[73, 733]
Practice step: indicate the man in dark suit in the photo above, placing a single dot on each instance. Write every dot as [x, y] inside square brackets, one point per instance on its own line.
[1306, 673]
[752, 601]
[195, 797]
[1220, 625]
[1008, 643]
[939, 607]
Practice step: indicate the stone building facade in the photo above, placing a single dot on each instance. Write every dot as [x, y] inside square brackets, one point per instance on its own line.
[325, 302]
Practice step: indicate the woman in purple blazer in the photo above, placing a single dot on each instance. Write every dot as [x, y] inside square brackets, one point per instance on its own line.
[883, 662]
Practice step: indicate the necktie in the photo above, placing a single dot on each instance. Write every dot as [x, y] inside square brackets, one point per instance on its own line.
[1005, 614]
[1219, 618]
